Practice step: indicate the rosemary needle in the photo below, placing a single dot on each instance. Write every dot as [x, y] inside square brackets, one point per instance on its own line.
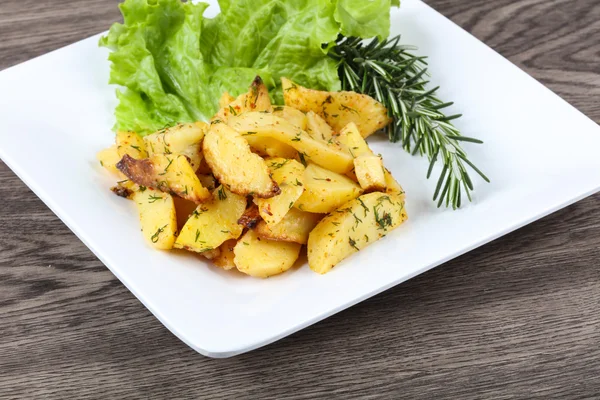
[395, 77]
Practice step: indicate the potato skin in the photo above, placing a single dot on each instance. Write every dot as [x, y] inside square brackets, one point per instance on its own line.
[169, 173]
[352, 227]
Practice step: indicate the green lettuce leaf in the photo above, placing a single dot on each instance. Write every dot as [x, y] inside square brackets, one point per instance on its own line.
[174, 64]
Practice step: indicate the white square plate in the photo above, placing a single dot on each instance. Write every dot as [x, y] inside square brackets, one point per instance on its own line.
[57, 112]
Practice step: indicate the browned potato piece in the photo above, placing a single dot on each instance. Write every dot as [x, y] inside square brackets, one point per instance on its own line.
[338, 108]
[267, 125]
[352, 227]
[213, 223]
[226, 256]
[132, 144]
[234, 165]
[185, 139]
[262, 258]
[250, 218]
[256, 99]
[171, 174]
[294, 227]
[317, 128]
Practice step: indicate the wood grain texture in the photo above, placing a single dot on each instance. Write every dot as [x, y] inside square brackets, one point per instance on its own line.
[517, 318]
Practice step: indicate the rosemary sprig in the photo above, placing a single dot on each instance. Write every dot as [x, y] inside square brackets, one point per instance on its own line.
[389, 72]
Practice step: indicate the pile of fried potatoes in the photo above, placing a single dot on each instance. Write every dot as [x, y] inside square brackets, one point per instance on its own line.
[258, 182]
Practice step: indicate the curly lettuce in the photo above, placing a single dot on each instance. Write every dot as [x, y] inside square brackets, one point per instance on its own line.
[173, 63]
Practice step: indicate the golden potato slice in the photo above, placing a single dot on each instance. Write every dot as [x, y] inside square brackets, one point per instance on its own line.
[213, 222]
[109, 158]
[262, 258]
[352, 227]
[169, 173]
[157, 217]
[324, 190]
[317, 128]
[338, 108]
[226, 256]
[369, 172]
[132, 144]
[289, 175]
[268, 125]
[185, 139]
[294, 227]
[293, 116]
[256, 99]
[234, 165]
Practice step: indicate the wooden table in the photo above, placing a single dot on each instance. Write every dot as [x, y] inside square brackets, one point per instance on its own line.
[517, 318]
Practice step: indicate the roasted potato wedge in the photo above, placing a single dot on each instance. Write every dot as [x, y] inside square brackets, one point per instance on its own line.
[317, 128]
[185, 139]
[268, 125]
[226, 255]
[157, 217]
[256, 99]
[293, 116]
[289, 175]
[338, 108]
[169, 173]
[324, 190]
[352, 227]
[132, 144]
[294, 227]
[234, 165]
[213, 223]
[370, 173]
[262, 258]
